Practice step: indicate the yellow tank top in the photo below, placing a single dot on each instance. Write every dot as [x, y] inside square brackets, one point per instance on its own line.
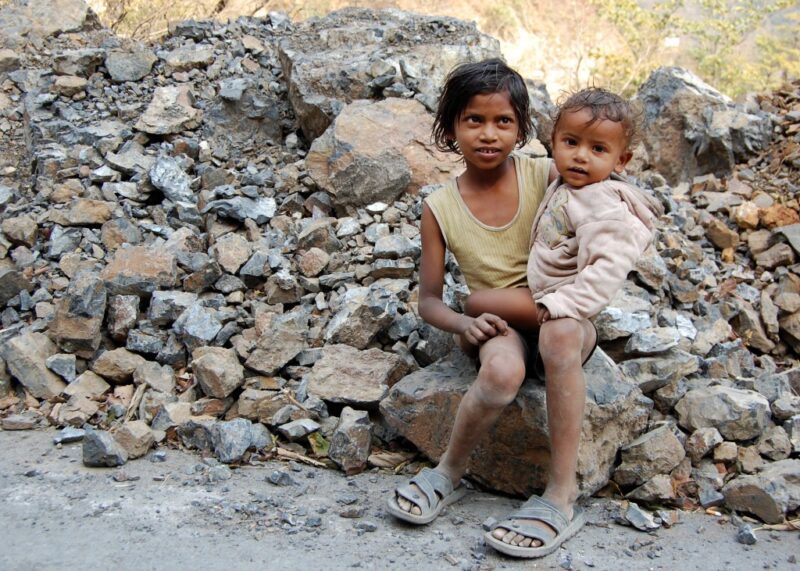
[492, 257]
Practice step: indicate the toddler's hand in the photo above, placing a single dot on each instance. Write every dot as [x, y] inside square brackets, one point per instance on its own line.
[484, 327]
[542, 314]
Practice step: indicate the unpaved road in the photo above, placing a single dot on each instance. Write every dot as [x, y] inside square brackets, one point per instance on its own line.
[57, 514]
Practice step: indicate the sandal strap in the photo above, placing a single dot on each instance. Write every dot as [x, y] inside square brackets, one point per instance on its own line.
[434, 487]
[536, 509]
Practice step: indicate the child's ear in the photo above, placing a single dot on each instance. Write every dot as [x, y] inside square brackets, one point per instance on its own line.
[623, 160]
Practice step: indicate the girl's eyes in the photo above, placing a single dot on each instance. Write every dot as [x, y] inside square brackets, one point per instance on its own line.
[570, 142]
[599, 149]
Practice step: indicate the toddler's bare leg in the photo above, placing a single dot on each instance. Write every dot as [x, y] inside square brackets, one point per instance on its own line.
[563, 344]
[501, 374]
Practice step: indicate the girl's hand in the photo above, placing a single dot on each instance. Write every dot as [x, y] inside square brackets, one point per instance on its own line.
[542, 315]
[483, 328]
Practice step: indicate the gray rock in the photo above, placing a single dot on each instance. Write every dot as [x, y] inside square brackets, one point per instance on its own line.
[231, 440]
[363, 313]
[357, 378]
[652, 373]
[260, 210]
[170, 111]
[639, 518]
[129, 65]
[653, 453]
[746, 535]
[770, 494]
[652, 340]
[12, 283]
[737, 414]
[351, 441]
[691, 129]
[282, 339]
[197, 326]
[324, 70]
[101, 450]
[298, 429]
[63, 364]
[168, 176]
[69, 434]
[616, 413]
[25, 356]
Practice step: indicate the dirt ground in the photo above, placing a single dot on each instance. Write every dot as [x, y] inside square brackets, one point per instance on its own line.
[182, 513]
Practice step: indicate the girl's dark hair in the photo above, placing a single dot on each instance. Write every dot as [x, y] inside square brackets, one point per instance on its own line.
[603, 104]
[480, 78]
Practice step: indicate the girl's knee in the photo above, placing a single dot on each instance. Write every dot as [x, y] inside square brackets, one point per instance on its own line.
[499, 379]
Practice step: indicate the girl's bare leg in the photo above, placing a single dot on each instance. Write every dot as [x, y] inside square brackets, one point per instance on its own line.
[499, 378]
[564, 344]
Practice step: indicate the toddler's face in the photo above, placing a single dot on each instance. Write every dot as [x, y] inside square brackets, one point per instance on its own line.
[586, 152]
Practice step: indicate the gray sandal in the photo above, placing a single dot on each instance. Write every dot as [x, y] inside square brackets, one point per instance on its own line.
[434, 493]
[537, 509]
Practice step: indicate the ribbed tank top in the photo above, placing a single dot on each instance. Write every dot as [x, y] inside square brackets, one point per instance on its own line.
[492, 257]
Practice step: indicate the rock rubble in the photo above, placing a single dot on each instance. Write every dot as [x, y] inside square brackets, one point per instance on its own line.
[211, 241]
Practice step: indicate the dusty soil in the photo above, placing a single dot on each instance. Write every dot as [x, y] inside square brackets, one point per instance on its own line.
[56, 513]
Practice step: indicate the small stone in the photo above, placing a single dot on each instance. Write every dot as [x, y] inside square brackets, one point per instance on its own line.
[101, 450]
[746, 534]
[68, 435]
[280, 478]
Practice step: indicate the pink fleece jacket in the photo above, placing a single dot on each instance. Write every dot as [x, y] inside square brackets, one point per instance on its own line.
[584, 242]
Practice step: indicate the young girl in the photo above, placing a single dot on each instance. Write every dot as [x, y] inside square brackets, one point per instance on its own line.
[484, 217]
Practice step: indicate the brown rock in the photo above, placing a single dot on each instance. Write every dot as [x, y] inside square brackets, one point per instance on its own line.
[778, 215]
[83, 212]
[21, 230]
[88, 384]
[217, 370]
[69, 85]
[117, 365]
[135, 437]
[720, 235]
[777, 255]
[140, 271]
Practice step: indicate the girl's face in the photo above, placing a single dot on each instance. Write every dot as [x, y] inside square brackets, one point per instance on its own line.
[487, 130]
[587, 152]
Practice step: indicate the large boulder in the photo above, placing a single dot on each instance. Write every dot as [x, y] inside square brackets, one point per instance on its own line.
[513, 456]
[347, 162]
[358, 54]
[691, 129]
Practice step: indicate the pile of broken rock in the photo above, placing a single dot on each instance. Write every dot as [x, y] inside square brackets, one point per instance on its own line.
[211, 242]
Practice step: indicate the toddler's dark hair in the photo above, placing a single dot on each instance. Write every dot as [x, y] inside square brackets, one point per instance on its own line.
[603, 104]
[479, 78]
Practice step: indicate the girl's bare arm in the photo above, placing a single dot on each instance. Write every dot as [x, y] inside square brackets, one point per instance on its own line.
[475, 328]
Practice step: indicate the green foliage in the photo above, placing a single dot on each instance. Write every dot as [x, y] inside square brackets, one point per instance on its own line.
[642, 33]
[720, 35]
[726, 48]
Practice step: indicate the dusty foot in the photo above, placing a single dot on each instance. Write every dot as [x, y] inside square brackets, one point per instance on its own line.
[413, 508]
[513, 538]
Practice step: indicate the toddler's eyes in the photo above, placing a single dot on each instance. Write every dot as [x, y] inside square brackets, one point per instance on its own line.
[570, 142]
[599, 149]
